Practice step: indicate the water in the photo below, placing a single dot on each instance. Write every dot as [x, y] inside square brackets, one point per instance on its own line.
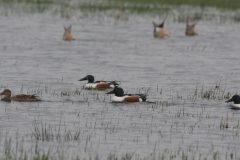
[34, 58]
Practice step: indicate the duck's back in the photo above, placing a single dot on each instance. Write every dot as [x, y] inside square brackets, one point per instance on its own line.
[25, 98]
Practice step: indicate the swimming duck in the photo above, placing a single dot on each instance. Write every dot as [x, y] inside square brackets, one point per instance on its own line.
[21, 97]
[121, 97]
[99, 85]
[158, 31]
[190, 31]
[67, 36]
[236, 100]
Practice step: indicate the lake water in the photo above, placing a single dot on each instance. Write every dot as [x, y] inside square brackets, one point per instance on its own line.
[34, 58]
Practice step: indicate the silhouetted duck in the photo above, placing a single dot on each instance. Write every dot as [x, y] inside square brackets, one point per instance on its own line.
[158, 31]
[121, 97]
[67, 36]
[21, 97]
[99, 85]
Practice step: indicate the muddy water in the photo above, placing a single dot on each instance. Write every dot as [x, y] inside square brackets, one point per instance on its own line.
[35, 59]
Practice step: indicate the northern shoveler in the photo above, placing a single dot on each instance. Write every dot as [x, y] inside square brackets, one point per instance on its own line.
[99, 85]
[158, 31]
[67, 36]
[190, 31]
[121, 97]
[21, 97]
[236, 100]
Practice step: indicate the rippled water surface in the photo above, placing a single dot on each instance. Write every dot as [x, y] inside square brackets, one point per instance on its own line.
[175, 72]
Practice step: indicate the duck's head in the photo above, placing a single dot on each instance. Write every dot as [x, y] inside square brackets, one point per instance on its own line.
[90, 79]
[235, 99]
[6, 93]
[118, 91]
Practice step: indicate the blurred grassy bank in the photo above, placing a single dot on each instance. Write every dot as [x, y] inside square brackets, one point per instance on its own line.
[137, 5]
[224, 4]
[121, 9]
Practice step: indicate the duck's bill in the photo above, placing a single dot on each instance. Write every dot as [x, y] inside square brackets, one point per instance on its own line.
[83, 79]
[111, 92]
[230, 100]
[1, 94]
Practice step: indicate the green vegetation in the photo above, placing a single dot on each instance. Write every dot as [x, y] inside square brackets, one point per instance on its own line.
[132, 7]
[137, 5]
[226, 4]
[31, 1]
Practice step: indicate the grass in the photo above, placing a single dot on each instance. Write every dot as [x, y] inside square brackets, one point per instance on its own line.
[226, 4]
[141, 5]
[15, 149]
[30, 1]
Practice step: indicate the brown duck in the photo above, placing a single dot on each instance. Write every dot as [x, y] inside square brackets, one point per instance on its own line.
[67, 36]
[21, 97]
[190, 31]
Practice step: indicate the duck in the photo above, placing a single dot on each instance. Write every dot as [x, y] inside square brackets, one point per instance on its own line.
[158, 31]
[98, 85]
[21, 97]
[67, 36]
[121, 97]
[236, 100]
[190, 31]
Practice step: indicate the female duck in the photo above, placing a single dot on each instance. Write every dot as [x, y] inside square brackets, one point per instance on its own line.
[190, 31]
[121, 97]
[236, 100]
[21, 97]
[67, 36]
[99, 85]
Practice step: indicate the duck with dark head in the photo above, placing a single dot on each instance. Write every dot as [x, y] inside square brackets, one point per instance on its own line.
[21, 97]
[98, 85]
[119, 96]
[236, 102]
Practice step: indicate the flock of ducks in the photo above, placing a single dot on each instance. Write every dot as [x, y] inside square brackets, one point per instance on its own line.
[158, 31]
[118, 92]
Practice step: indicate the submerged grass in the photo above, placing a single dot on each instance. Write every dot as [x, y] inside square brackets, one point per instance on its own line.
[15, 149]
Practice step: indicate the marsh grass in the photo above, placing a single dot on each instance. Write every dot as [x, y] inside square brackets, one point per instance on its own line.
[14, 149]
[224, 123]
[140, 5]
[45, 132]
[122, 10]
[230, 4]
[30, 1]
[216, 92]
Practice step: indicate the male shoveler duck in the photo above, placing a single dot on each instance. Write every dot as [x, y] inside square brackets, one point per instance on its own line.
[236, 100]
[121, 97]
[158, 31]
[21, 97]
[99, 85]
[67, 36]
[190, 31]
